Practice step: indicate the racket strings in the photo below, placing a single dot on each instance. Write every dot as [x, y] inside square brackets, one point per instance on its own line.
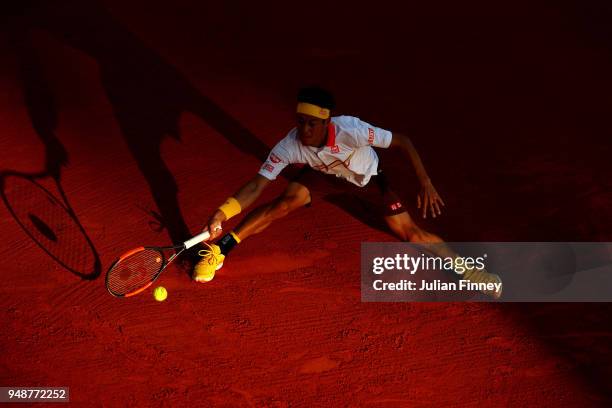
[135, 271]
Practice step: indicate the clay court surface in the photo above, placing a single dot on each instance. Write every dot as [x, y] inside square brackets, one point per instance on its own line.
[151, 114]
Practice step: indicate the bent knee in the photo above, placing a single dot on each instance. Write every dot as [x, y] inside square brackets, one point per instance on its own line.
[295, 196]
[287, 203]
[280, 208]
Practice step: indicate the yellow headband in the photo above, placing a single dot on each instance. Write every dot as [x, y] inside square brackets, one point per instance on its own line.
[312, 110]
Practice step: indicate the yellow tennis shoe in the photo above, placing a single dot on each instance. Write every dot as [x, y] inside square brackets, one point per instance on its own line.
[482, 276]
[212, 261]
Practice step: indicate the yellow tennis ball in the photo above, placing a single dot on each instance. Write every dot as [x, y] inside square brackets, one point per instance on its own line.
[160, 293]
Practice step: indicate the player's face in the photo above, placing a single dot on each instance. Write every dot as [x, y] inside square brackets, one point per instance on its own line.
[311, 131]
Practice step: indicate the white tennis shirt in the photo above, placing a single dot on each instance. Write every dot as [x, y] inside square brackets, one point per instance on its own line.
[348, 152]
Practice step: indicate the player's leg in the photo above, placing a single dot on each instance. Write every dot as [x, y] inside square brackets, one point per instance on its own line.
[403, 226]
[406, 229]
[390, 206]
[294, 197]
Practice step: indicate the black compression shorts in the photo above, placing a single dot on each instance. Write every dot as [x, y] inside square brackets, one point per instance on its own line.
[377, 193]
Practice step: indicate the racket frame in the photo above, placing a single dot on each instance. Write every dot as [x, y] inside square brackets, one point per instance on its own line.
[165, 262]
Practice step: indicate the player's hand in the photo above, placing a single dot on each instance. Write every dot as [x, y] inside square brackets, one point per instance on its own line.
[214, 225]
[429, 200]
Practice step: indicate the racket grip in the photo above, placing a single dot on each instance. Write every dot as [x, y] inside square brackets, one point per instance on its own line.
[197, 239]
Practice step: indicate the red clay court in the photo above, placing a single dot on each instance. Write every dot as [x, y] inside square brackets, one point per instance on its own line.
[127, 123]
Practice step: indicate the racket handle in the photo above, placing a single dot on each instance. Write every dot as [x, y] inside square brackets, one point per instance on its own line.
[197, 239]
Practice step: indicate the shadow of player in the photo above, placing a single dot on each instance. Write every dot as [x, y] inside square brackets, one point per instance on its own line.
[147, 94]
[45, 216]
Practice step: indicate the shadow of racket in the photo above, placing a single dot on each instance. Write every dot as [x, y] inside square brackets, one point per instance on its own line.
[50, 221]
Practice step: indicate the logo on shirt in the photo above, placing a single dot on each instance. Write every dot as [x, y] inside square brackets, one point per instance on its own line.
[268, 167]
[396, 206]
[335, 149]
[370, 136]
[274, 158]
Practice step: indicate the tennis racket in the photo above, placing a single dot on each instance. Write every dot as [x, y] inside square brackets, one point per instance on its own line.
[137, 269]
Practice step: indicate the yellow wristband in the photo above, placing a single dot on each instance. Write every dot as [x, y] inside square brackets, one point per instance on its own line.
[230, 208]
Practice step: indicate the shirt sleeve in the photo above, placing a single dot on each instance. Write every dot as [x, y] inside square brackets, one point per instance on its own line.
[365, 134]
[277, 160]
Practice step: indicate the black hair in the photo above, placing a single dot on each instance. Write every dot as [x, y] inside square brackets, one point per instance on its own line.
[317, 96]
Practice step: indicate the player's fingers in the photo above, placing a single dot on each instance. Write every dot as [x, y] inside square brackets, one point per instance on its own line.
[438, 198]
[432, 208]
[425, 206]
[418, 201]
[215, 229]
[437, 207]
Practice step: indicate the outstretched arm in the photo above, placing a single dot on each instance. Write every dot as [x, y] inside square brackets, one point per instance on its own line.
[245, 196]
[428, 198]
[251, 191]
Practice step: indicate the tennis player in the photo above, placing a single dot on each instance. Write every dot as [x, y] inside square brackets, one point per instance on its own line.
[337, 153]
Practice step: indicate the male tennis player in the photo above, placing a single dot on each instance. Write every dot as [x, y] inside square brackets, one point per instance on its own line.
[337, 152]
